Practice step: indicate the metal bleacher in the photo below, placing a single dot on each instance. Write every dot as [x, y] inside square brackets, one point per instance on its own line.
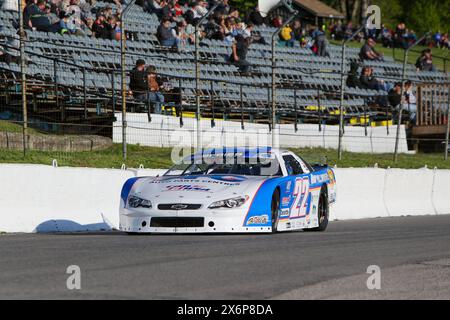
[87, 65]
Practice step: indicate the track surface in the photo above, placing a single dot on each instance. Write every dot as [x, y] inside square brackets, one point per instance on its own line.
[331, 264]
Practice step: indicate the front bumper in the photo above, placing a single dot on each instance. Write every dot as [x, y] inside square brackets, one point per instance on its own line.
[213, 222]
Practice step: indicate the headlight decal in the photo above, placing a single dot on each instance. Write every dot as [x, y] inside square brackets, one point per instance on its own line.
[229, 203]
[136, 202]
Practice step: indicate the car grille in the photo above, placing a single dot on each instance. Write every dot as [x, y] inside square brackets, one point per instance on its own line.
[177, 222]
[178, 206]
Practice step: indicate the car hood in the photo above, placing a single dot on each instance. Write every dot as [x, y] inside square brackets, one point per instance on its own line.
[197, 189]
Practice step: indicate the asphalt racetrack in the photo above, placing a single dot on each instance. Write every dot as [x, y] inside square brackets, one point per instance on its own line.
[413, 254]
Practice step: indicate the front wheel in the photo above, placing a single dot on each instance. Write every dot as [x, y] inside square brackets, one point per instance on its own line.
[323, 211]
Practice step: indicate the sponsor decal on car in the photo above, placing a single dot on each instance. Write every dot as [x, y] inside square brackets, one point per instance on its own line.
[285, 201]
[284, 213]
[288, 186]
[258, 219]
[229, 178]
[187, 187]
[331, 176]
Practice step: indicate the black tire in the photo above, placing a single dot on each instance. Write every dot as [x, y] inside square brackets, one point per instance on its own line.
[274, 208]
[323, 211]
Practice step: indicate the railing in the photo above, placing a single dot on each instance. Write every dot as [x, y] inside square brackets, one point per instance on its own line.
[433, 103]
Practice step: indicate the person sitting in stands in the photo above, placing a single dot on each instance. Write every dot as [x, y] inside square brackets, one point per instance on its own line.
[99, 27]
[39, 19]
[425, 61]
[368, 51]
[286, 36]
[353, 79]
[138, 81]
[395, 95]
[154, 93]
[410, 100]
[165, 35]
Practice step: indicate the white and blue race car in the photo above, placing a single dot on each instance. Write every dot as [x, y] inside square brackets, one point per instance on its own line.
[231, 190]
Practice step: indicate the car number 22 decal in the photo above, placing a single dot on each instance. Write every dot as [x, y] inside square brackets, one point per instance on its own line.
[301, 194]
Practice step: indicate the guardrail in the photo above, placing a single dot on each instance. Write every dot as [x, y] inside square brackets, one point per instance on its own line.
[39, 198]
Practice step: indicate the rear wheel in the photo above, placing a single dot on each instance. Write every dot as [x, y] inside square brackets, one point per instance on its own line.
[275, 206]
[323, 211]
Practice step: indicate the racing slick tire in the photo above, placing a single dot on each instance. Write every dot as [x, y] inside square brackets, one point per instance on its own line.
[323, 211]
[274, 209]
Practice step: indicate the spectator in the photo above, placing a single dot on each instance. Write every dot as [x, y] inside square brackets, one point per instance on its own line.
[386, 37]
[39, 19]
[30, 7]
[112, 29]
[286, 35]
[65, 25]
[138, 81]
[202, 8]
[410, 100]
[239, 48]
[144, 86]
[99, 27]
[425, 61]
[394, 95]
[297, 31]
[320, 42]
[154, 94]
[368, 51]
[368, 80]
[191, 15]
[353, 79]
[277, 22]
[165, 35]
[399, 36]
[223, 8]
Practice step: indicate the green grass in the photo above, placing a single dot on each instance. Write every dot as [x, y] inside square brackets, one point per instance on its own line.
[14, 127]
[412, 56]
[152, 157]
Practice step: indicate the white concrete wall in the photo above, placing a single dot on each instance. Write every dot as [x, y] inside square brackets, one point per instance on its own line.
[38, 198]
[165, 131]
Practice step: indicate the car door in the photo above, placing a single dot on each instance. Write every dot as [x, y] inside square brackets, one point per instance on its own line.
[299, 181]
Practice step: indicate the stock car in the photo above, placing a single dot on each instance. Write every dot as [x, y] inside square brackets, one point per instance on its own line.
[231, 190]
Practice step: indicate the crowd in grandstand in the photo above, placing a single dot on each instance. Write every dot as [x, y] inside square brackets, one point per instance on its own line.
[178, 19]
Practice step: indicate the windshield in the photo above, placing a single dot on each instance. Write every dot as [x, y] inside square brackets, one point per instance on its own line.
[238, 166]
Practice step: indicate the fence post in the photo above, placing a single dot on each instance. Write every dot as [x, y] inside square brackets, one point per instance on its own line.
[292, 15]
[180, 86]
[197, 75]
[341, 100]
[123, 78]
[113, 89]
[295, 110]
[213, 121]
[320, 109]
[84, 93]
[242, 107]
[55, 79]
[447, 132]
[23, 80]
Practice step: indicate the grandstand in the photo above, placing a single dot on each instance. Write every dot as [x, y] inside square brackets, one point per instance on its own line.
[76, 79]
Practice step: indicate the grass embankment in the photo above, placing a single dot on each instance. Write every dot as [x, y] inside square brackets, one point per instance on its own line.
[152, 157]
